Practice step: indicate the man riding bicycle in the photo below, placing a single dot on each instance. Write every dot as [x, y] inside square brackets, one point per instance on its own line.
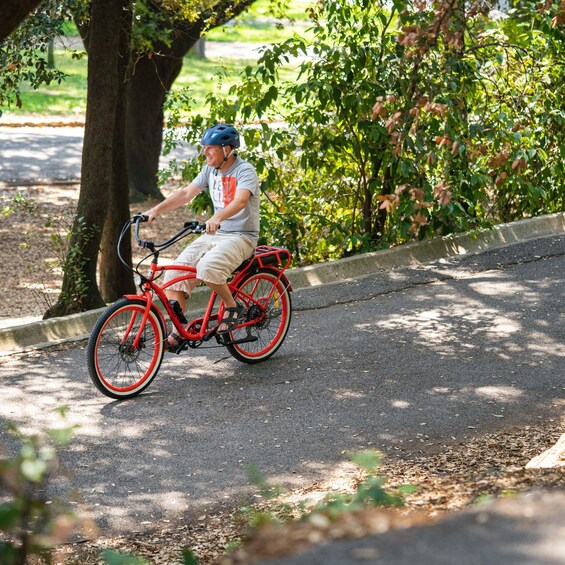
[231, 233]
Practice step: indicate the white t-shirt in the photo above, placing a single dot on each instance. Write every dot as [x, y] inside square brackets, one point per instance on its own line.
[222, 187]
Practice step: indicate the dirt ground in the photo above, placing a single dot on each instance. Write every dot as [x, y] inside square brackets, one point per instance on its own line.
[33, 239]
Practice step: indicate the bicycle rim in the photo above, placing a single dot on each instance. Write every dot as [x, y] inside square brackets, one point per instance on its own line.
[273, 318]
[116, 366]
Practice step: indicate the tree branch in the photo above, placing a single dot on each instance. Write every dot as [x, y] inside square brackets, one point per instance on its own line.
[13, 13]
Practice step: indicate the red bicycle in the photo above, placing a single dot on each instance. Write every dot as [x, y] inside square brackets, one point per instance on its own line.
[127, 344]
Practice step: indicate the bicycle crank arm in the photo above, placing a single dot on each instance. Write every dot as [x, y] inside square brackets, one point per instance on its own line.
[248, 339]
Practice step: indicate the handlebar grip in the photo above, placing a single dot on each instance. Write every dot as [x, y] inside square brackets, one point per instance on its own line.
[195, 226]
[141, 217]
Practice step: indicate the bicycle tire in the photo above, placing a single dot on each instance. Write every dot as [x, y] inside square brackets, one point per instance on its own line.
[273, 320]
[116, 369]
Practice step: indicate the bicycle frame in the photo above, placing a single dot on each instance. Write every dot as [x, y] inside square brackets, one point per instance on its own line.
[128, 341]
[274, 259]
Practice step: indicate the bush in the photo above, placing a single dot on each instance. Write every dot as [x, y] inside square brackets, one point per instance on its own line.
[407, 120]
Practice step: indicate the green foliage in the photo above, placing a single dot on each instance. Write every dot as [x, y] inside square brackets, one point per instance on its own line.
[74, 261]
[29, 523]
[407, 121]
[264, 22]
[115, 558]
[370, 492]
[257, 479]
[276, 513]
[188, 557]
[24, 55]
[66, 92]
[19, 202]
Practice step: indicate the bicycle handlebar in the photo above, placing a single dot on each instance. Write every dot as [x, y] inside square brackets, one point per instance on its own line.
[188, 228]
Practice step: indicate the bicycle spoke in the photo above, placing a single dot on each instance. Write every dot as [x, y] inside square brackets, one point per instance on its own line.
[270, 307]
[116, 367]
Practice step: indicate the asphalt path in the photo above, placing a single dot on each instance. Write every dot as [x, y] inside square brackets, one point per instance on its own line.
[51, 155]
[405, 361]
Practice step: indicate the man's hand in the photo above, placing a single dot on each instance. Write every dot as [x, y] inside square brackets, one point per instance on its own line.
[150, 215]
[212, 225]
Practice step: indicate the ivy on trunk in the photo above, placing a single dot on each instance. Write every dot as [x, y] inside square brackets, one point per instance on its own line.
[103, 200]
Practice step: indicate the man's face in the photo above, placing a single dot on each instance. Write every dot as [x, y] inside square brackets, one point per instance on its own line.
[215, 154]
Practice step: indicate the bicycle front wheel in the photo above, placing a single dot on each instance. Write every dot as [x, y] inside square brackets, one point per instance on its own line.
[271, 310]
[123, 357]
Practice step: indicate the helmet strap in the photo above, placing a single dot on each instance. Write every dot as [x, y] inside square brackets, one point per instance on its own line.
[226, 157]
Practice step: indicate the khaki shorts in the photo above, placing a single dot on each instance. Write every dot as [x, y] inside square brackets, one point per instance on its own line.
[215, 258]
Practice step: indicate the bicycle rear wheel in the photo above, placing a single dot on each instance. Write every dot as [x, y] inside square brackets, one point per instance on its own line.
[272, 312]
[117, 367]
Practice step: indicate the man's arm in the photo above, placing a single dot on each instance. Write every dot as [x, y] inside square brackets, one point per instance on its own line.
[175, 200]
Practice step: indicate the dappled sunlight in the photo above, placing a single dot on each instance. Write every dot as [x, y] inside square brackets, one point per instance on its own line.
[444, 327]
[404, 373]
[32, 401]
[343, 394]
[332, 473]
[541, 345]
[400, 404]
[487, 315]
[501, 288]
[44, 154]
[340, 477]
[28, 154]
[501, 393]
[502, 327]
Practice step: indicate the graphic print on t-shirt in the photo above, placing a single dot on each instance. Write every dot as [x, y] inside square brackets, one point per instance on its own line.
[223, 191]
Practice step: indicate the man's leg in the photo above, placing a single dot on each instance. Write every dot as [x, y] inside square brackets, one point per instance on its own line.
[223, 291]
[180, 295]
[216, 266]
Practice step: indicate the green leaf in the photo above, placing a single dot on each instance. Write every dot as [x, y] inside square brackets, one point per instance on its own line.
[33, 469]
[369, 459]
[407, 489]
[62, 436]
[8, 516]
[9, 555]
[188, 557]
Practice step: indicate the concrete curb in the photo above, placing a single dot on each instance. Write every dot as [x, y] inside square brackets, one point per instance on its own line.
[429, 250]
[43, 333]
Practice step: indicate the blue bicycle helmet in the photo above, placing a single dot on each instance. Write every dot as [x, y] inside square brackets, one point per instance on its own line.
[222, 135]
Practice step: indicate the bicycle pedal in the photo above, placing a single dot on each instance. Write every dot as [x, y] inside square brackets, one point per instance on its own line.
[211, 334]
[177, 349]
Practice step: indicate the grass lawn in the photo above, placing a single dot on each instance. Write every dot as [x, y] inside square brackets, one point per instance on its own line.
[255, 26]
[69, 98]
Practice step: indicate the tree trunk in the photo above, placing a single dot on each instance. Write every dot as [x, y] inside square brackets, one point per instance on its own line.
[105, 86]
[114, 279]
[147, 91]
[13, 13]
[151, 81]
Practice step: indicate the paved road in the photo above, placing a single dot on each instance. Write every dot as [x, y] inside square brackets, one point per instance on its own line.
[524, 530]
[444, 352]
[48, 154]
